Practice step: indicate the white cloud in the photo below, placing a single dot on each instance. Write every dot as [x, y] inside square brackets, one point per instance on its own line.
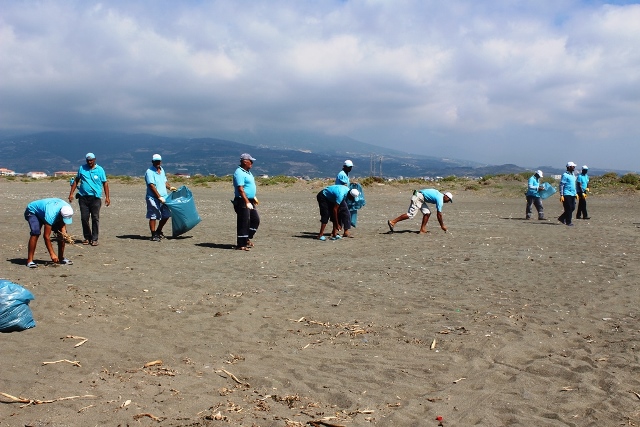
[533, 81]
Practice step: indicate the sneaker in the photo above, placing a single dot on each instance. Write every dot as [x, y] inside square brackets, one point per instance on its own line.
[66, 261]
[155, 238]
[160, 235]
[569, 225]
[32, 265]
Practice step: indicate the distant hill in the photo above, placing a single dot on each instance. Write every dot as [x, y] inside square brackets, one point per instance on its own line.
[295, 154]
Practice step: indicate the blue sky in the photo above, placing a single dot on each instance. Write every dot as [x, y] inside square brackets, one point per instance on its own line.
[527, 82]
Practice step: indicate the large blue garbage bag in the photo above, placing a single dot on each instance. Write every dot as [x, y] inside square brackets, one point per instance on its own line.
[354, 205]
[547, 192]
[15, 314]
[184, 215]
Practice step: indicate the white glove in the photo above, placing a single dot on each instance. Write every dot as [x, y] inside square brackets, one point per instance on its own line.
[249, 205]
[162, 199]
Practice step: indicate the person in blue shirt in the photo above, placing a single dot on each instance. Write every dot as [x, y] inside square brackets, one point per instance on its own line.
[533, 195]
[90, 183]
[568, 194]
[582, 187]
[344, 213]
[419, 202]
[244, 203]
[329, 200]
[54, 215]
[157, 186]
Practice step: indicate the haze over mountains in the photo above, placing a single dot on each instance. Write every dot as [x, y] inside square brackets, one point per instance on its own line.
[293, 154]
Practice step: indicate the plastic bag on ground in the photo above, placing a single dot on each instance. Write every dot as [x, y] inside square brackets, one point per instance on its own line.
[15, 314]
[184, 215]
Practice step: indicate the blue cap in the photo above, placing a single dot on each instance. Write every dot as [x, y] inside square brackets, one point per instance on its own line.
[90, 156]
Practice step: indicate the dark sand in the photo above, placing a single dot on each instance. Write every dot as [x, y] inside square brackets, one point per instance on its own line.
[534, 323]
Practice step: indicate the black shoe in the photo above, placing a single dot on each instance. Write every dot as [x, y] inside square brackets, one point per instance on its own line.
[155, 237]
[587, 217]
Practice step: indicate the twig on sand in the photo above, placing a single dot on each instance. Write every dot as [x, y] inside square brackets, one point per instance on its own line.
[458, 380]
[73, 362]
[146, 414]
[67, 238]
[637, 395]
[84, 340]
[153, 363]
[317, 423]
[28, 402]
[233, 377]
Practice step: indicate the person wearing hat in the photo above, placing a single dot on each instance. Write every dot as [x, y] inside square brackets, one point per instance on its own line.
[329, 200]
[245, 202]
[533, 195]
[90, 183]
[582, 187]
[419, 201]
[157, 186]
[568, 194]
[344, 213]
[54, 215]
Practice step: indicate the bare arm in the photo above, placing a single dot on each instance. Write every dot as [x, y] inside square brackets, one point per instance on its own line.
[440, 220]
[73, 189]
[107, 199]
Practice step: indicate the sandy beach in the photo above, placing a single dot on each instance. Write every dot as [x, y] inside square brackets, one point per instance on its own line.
[501, 322]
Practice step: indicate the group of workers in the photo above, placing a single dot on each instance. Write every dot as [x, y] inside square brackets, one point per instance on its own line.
[333, 202]
[572, 187]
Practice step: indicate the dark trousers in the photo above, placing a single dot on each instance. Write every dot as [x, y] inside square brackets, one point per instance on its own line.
[582, 207]
[537, 202]
[569, 205]
[90, 208]
[344, 216]
[247, 223]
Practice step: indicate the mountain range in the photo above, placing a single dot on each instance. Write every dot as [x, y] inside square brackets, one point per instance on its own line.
[292, 154]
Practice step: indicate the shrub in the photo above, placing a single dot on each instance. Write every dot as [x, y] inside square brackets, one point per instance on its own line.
[630, 178]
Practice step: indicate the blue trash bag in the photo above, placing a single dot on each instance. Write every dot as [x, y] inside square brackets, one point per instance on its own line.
[547, 192]
[15, 314]
[184, 215]
[354, 205]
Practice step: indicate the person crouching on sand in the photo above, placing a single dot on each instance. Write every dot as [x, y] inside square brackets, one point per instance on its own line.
[419, 201]
[329, 200]
[54, 214]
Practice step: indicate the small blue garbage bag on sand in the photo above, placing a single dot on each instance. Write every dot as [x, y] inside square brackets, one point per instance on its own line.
[15, 314]
[547, 192]
[184, 215]
[354, 205]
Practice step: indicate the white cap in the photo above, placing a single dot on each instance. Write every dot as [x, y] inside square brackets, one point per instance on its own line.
[156, 157]
[66, 211]
[585, 167]
[355, 193]
[450, 196]
[539, 173]
[571, 164]
[348, 163]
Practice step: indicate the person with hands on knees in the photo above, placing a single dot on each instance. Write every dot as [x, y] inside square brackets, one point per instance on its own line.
[157, 186]
[54, 215]
[568, 194]
[245, 202]
[419, 202]
[329, 201]
[582, 187]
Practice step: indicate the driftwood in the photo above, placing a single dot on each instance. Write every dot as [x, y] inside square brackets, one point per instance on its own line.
[28, 402]
[73, 362]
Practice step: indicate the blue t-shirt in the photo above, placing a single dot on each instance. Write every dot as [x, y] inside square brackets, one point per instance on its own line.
[158, 179]
[582, 182]
[568, 184]
[433, 196]
[245, 179]
[342, 178]
[533, 185]
[336, 193]
[90, 181]
[47, 210]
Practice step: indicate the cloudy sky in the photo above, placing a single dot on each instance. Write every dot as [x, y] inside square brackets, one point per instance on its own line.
[533, 83]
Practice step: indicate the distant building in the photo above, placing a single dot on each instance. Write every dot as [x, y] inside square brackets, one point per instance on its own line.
[36, 175]
[183, 175]
[63, 173]
[7, 172]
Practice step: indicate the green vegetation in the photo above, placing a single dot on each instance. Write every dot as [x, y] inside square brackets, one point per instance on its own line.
[278, 179]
